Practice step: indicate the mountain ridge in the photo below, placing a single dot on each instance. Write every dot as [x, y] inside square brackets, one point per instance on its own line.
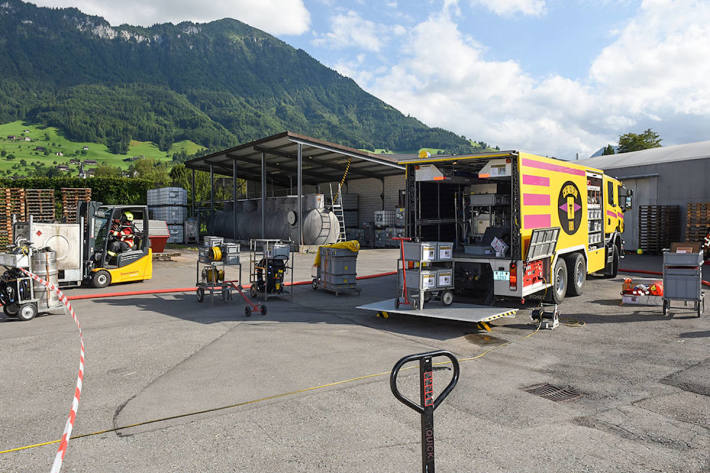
[218, 84]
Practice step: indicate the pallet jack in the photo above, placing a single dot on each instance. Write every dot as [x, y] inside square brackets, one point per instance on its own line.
[427, 404]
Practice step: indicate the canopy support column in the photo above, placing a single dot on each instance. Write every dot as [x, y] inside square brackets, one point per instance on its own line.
[211, 187]
[263, 195]
[300, 195]
[234, 197]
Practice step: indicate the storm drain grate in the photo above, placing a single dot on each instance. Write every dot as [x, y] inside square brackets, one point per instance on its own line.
[553, 393]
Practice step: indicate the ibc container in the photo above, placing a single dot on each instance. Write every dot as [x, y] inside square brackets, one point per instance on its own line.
[384, 218]
[177, 233]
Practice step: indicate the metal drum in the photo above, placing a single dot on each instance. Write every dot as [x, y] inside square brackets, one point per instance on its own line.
[44, 265]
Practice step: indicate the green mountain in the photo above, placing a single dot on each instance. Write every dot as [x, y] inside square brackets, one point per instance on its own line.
[216, 84]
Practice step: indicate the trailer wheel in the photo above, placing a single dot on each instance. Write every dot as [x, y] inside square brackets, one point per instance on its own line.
[11, 309]
[27, 312]
[577, 274]
[447, 298]
[557, 292]
[315, 284]
[101, 278]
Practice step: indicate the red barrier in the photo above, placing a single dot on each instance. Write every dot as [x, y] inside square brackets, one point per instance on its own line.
[190, 289]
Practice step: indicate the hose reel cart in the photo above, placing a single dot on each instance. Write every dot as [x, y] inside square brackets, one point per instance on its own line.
[269, 260]
[215, 256]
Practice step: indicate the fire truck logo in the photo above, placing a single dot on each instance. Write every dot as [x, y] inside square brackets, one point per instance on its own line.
[570, 208]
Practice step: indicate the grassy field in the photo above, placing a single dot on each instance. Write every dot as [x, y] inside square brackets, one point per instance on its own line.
[51, 140]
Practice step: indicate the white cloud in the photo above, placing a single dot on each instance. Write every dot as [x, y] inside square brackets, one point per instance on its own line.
[274, 16]
[351, 30]
[653, 74]
[511, 7]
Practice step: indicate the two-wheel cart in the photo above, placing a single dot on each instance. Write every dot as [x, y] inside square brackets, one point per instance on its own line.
[21, 296]
[683, 280]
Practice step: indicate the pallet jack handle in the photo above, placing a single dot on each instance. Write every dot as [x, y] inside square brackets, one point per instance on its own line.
[404, 267]
[427, 404]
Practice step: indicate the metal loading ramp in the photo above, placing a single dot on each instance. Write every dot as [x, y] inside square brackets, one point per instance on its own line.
[461, 312]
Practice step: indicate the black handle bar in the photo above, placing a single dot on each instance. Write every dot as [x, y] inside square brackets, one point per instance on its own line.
[421, 356]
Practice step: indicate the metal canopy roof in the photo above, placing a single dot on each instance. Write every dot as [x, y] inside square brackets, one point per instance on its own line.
[322, 161]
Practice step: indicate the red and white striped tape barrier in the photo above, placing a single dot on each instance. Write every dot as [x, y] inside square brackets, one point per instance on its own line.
[62, 450]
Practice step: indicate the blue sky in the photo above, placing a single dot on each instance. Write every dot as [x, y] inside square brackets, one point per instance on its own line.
[555, 77]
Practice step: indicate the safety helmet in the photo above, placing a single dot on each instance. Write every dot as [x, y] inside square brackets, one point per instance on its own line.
[128, 216]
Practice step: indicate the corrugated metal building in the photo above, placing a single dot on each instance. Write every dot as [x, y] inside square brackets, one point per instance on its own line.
[671, 175]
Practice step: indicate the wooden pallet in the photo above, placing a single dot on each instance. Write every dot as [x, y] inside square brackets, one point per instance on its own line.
[659, 225]
[12, 203]
[70, 202]
[40, 205]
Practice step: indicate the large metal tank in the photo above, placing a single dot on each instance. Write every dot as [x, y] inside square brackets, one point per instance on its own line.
[320, 226]
[44, 265]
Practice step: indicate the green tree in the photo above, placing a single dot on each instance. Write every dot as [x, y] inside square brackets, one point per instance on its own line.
[106, 170]
[3, 153]
[151, 170]
[608, 149]
[636, 142]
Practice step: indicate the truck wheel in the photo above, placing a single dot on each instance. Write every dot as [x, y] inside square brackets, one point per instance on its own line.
[613, 269]
[557, 292]
[577, 274]
[27, 312]
[11, 309]
[101, 278]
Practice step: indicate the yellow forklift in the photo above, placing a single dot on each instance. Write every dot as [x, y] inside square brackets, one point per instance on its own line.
[105, 264]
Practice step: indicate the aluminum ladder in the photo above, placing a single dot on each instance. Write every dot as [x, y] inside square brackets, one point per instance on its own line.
[337, 208]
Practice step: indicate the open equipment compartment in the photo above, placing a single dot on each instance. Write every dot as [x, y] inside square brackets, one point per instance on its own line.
[471, 202]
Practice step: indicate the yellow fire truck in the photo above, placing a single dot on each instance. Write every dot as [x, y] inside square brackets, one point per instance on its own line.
[521, 224]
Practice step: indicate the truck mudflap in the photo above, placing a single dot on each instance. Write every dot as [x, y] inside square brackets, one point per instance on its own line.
[435, 310]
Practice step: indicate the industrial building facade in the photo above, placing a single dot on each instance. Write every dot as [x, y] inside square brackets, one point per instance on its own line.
[670, 175]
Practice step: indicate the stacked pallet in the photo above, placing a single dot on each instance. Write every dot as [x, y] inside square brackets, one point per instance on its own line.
[698, 223]
[12, 203]
[659, 225]
[40, 204]
[70, 202]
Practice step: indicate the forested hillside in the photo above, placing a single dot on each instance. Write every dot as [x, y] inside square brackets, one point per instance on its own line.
[215, 84]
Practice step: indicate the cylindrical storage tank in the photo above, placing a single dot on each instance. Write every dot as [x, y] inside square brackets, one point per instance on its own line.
[320, 226]
[44, 265]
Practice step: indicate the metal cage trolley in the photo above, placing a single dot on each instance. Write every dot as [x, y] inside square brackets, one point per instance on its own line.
[683, 280]
[269, 261]
[215, 259]
[425, 270]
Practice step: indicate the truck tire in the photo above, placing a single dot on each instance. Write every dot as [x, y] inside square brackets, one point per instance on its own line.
[101, 278]
[613, 268]
[577, 269]
[556, 293]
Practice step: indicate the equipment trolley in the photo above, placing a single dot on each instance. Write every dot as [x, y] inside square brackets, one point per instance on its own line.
[214, 261]
[426, 269]
[683, 280]
[269, 260]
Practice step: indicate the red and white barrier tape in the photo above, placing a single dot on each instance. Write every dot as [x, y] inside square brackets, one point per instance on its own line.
[62, 450]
